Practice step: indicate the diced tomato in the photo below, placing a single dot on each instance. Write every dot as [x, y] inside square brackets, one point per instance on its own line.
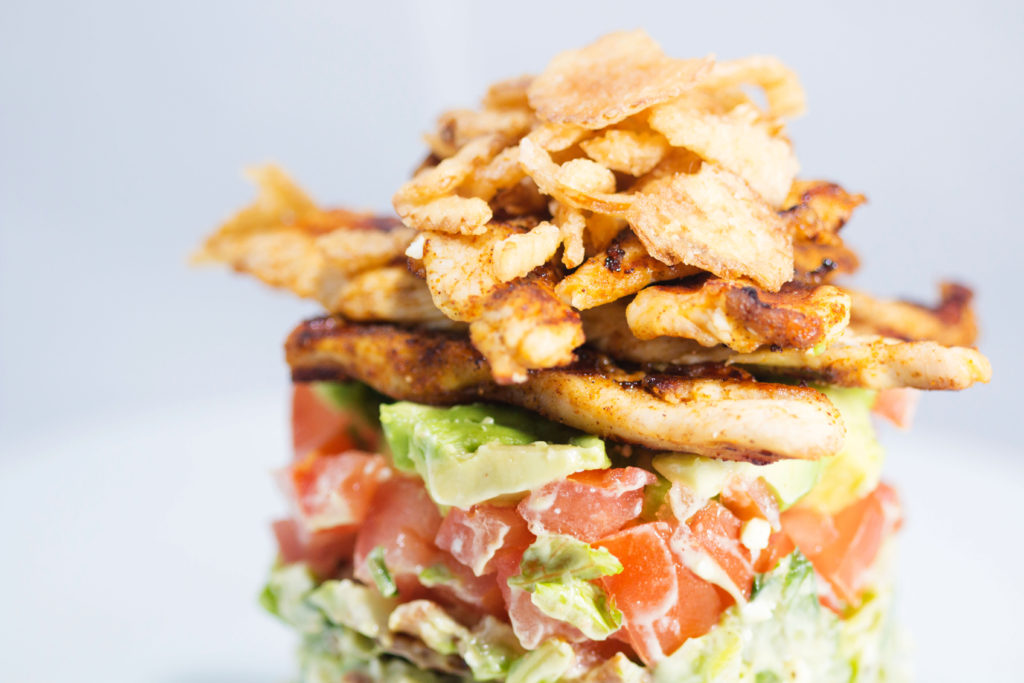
[331, 490]
[648, 589]
[842, 547]
[699, 608]
[718, 532]
[483, 533]
[897, 405]
[779, 545]
[587, 505]
[405, 522]
[318, 425]
[531, 626]
[322, 551]
[749, 499]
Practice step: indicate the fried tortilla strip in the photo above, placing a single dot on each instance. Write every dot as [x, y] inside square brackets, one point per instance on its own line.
[623, 268]
[390, 293]
[287, 241]
[713, 220]
[877, 362]
[742, 317]
[518, 325]
[738, 139]
[951, 322]
[611, 79]
[781, 86]
[710, 416]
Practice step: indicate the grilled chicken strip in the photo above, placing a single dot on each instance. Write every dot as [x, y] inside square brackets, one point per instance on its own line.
[623, 268]
[517, 325]
[951, 322]
[817, 212]
[731, 418]
[743, 317]
[853, 360]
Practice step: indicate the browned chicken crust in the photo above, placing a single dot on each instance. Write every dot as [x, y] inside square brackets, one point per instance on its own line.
[704, 412]
[741, 316]
[951, 322]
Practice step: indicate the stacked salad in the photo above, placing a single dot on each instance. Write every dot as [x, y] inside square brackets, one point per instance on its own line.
[595, 404]
[481, 542]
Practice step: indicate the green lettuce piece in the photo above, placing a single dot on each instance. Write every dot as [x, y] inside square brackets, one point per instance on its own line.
[430, 623]
[546, 664]
[556, 570]
[380, 574]
[470, 453]
[347, 603]
[781, 631]
[285, 595]
[491, 649]
[557, 557]
[580, 603]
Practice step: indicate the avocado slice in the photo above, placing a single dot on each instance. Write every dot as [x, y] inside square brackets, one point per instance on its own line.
[790, 479]
[470, 453]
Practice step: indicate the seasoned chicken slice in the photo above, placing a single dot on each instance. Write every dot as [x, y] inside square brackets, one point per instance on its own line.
[607, 331]
[853, 360]
[623, 268]
[951, 322]
[742, 317]
[517, 325]
[817, 211]
[878, 363]
[703, 411]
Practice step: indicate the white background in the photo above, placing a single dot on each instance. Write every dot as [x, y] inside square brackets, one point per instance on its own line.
[123, 127]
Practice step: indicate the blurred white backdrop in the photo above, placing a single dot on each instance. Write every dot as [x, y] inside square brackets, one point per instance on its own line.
[124, 125]
[125, 376]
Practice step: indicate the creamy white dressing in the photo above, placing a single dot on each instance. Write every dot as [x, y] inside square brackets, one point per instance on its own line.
[754, 535]
[415, 249]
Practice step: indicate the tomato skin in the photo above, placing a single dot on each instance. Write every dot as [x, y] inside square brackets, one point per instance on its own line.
[480, 536]
[717, 530]
[663, 603]
[587, 505]
[842, 547]
[329, 490]
[318, 425]
[749, 499]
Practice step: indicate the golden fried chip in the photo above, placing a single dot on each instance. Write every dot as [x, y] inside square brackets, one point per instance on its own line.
[508, 93]
[736, 140]
[556, 137]
[627, 151]
[352, 251]
[571, 225]
[574, 187]
[781, 86]
[501, 172]
[454, 214]
[390, 293]
[458, 127]
[713, 220]
[611, 79]
[443, 179]
[517, 255]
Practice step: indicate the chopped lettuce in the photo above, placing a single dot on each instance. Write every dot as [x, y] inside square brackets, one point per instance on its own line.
[354, 605]
[546, 664]
[555, 557]
[470, 453]
[286, 597]
[784, 634]
[491, 649]
[380, 574]
[557, 572]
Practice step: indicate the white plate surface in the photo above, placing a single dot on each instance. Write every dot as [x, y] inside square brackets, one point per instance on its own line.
[133, 550]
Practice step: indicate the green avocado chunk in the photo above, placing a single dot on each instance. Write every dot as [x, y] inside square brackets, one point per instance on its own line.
[470, 453]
